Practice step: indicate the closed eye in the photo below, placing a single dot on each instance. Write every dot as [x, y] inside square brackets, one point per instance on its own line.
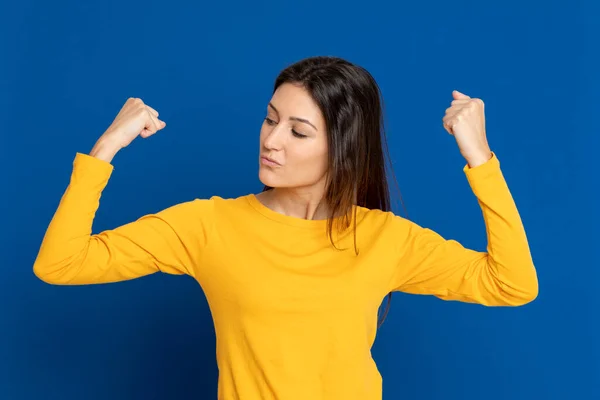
[271, 122]
[298, 134]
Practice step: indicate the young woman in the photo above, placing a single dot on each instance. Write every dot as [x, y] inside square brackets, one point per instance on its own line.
[294, 275]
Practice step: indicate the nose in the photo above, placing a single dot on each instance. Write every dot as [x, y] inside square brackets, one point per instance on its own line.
[274, 139]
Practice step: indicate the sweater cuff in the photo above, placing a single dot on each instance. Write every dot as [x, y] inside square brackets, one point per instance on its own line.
[483, 171]
[89, 170]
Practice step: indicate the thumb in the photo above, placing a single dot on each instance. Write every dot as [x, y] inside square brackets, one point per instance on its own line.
[458, 95]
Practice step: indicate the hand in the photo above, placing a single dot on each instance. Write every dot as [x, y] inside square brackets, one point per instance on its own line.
[465, 120]
[135, 119]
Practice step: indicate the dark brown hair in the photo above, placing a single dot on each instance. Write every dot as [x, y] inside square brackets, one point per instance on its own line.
[351, 103]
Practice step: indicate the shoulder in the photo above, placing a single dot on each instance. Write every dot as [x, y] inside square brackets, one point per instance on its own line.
[209, 207]
[375, 215]
[200, 213]
[383, 221]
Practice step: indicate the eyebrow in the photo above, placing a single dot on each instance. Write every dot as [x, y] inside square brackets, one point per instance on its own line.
[294, 118]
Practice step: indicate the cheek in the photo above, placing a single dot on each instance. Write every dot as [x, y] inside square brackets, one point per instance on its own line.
[310, 160]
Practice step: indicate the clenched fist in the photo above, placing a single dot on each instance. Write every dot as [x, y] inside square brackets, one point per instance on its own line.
[465, 120]
[134, 119]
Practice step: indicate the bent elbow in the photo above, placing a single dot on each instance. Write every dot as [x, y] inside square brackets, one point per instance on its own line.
[522, 289]
[526, 298]
[42, 273]
[53, 274]
[529, 292]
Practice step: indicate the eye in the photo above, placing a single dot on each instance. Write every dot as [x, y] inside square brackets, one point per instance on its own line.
[298, 134]
[269, 121]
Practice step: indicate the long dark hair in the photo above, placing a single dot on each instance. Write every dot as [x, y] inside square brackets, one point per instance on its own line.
[352, 106]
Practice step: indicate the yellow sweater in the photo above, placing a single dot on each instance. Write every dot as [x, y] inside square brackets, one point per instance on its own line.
[294, 317]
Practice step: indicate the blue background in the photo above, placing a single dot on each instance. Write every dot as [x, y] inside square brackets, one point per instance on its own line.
[67, 67]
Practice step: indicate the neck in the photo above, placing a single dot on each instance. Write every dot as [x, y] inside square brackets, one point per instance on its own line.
[296, 203]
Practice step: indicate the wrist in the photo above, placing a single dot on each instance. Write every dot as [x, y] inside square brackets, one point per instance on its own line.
[105, 149]
[479, 159]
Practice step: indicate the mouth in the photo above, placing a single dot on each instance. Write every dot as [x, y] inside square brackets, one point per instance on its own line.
[269, 161]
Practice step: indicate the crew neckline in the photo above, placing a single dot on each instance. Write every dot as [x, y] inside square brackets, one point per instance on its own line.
[286, 219]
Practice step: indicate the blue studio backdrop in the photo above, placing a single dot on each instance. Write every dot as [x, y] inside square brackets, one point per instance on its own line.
[208, 68]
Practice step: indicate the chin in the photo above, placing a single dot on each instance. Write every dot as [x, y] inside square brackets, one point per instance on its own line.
[267, 178]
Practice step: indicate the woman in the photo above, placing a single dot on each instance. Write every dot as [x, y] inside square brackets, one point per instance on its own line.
[294, 275]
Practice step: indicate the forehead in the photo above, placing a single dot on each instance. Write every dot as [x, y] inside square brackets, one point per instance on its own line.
[294, 100]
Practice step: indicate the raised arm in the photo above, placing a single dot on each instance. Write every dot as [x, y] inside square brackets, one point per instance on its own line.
[169, 241]
[504, 275]
[429, 264]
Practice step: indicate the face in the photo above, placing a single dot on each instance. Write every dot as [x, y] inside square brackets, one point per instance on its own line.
[293, 141]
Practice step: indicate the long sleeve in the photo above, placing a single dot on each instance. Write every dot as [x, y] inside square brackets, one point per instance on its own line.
[504, 275]
[169, 241]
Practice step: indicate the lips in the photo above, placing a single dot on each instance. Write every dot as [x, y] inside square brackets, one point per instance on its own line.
[270, 160]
